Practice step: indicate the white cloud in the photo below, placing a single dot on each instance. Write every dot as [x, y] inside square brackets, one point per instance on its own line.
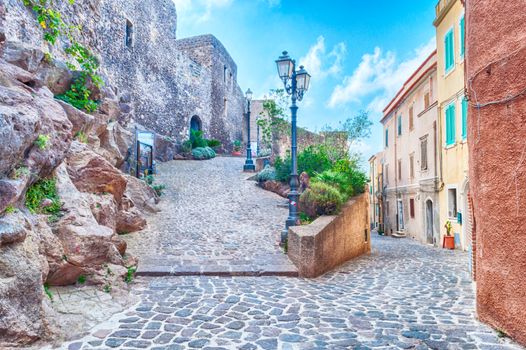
[378, 74]
[273, 3]
[200, 10]
[321, 64]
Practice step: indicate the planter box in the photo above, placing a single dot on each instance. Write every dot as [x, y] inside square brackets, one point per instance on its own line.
[331, 240]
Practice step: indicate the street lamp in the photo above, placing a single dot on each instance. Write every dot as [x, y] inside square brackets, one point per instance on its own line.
[296, 83]
[249, 163]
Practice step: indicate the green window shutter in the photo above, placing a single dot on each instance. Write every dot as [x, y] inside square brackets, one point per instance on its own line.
[450, 124]
[449, 51]
[462, 36]
[464, 118]
[386, 137]
[399, 125]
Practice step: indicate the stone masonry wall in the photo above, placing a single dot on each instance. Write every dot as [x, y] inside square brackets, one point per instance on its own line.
[331, 240]
[168, 81]
[496, 79]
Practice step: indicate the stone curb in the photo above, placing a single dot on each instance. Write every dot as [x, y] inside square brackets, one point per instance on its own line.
[231, 271]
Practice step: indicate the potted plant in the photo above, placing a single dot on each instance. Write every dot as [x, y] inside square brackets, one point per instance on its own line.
[237, 148]
[449, 240]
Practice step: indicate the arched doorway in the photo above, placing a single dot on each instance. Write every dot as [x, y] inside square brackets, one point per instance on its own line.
[195, 123]
[429, 222]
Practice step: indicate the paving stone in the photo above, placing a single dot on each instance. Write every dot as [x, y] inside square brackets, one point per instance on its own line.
[138, 344]
[114, 342]
[127, 333]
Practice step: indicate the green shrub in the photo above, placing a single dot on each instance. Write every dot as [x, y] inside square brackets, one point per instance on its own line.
[237, 145]
[186, 147]
[283, 169]
[42, 141]
[201, 153]
[314, 159]
[79, 95]
[40, 190]
[130, 274]
[198, 153]
[196, 137]
[320, 199]
[9, 209]
[159, 189]
[213, 143]
[341, 181]
[81, 136]
[357, 178]
[267, 174]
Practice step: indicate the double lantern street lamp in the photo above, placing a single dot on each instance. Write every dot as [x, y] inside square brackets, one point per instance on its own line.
[296, 83]
[249, 163]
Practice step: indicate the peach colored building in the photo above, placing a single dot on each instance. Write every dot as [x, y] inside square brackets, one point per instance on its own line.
[375, 191]
[410, 157]
[496, 83]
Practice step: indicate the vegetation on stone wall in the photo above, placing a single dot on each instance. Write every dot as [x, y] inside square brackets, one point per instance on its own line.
[50, 19]
[273, 119]
[42, 197]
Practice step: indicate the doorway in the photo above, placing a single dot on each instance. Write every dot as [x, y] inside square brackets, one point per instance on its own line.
[195, 124]
[400, 216]
[429, 222]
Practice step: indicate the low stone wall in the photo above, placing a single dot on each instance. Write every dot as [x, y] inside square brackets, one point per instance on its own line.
[331, 240]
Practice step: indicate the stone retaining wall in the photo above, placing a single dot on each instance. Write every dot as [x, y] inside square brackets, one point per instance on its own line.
[331, 240]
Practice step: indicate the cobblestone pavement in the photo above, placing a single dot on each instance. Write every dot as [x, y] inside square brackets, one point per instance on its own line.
[213, 221]
[403, 296]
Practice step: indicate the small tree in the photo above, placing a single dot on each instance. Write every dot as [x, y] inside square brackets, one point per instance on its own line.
[273, 118]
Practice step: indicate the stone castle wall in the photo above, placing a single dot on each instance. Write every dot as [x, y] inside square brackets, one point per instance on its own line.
[167, 81]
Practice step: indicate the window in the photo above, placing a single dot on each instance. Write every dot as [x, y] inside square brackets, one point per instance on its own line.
[399, 169]
[449, 50]
[399, 125]
[423, 153]
[386, 138]
[430, 88]
[387, 207]
[464, 118]
[224, 74]
[225, 106]
[426, 100]
[462, 30]
[450, 124]
[452, 202]
[411, 165]
[411, 122]
[412, 207]
[386, 172]
[128, 39]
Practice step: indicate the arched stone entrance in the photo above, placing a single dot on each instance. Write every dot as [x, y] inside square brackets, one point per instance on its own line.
[195, 123]
[429, 222]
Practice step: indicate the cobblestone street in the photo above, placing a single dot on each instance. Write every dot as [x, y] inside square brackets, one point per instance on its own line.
[212, 221]
[404, 295]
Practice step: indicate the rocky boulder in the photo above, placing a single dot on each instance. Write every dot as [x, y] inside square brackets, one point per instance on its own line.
[142, 195]
[165, 148]
[21, 291]
[22, 55]
[80, 121]
[86, 243]
[92, 173]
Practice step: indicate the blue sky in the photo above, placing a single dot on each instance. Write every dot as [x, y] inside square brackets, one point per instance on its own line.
[359, 53]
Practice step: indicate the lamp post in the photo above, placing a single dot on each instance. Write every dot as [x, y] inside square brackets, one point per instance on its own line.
[249, 163]
[296, 83]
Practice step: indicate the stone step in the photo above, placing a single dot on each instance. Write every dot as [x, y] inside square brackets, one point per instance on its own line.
[159, 270]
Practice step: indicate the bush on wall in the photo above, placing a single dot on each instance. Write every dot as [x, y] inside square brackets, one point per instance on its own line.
[321, 199]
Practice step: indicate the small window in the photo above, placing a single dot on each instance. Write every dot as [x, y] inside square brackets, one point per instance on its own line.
[386, 138]
[464, 118]
[386, 172]
[399, 125]
[412, 207]
[426, 100]
[225, 106]
[411, 122]
[399, 169]
[450, 124]
[129, 34]
[423, 153]
[430, 89]
[387, 207]
[411, 166]
[224, 74]
[449, 49]
[452, 203]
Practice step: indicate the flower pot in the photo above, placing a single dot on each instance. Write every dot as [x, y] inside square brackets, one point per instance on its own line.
[236, 153]
[449, 242]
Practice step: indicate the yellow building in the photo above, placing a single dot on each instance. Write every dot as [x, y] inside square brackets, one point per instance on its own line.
[452, 111]
[376, 189]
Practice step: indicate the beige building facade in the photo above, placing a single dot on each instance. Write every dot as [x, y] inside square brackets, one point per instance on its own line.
[375, 192]
[453, 119]
[411, 158]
